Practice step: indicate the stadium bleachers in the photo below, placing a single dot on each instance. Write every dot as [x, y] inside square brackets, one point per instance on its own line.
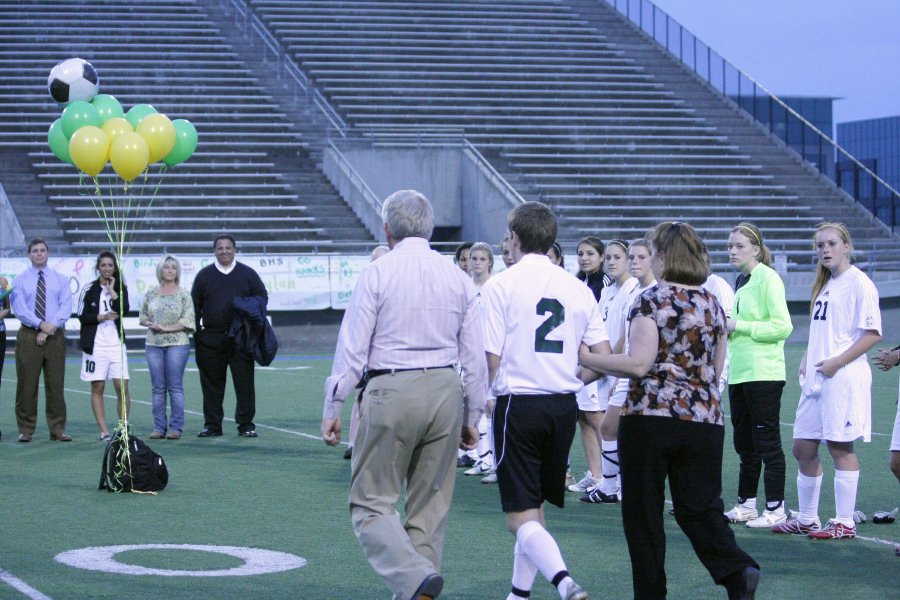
[565, 98]
[252, 174]
[567, 101]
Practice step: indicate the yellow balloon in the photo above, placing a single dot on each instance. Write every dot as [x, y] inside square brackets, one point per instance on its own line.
[115, 127]
[159, 133]
[129, 155]
[89, 148]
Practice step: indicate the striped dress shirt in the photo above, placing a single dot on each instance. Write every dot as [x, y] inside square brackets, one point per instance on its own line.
[58, 307]
[410, 308]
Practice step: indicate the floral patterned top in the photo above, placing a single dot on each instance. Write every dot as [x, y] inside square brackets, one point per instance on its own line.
[168, 310]
[682, 381]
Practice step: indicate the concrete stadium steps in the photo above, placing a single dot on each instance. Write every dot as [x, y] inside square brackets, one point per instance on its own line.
[564, 98]
[786, 169]
[252, 174]
[545, 101]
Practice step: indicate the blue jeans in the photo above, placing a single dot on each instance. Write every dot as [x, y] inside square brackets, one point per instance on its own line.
[167, 365]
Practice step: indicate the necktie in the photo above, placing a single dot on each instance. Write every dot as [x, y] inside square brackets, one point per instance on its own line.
[40, 300]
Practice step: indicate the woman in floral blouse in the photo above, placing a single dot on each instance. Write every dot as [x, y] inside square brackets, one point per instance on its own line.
[672, 425]
[168, 314]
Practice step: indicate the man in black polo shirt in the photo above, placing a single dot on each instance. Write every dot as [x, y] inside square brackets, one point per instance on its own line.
[214, 289]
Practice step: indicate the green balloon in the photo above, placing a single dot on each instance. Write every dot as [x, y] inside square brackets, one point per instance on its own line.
[137, 114]
[78, 114]
[107, 107]
[185, 142]
[59, 144]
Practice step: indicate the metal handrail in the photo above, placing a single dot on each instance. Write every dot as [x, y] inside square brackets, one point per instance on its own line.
[683, 45]
[499, 181]
[291, 68]
[356, 179]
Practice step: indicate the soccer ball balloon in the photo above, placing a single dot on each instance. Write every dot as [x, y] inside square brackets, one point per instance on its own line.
[73, 79]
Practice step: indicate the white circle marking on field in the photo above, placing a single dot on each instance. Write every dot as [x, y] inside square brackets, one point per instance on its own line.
[256, 561]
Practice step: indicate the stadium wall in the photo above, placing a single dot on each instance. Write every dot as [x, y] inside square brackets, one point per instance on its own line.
[465, 197]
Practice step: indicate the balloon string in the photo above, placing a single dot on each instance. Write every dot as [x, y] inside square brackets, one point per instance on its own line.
[140, 211]
[100, 208]
[130, 207]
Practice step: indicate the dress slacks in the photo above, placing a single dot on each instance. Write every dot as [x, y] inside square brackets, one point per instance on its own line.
[216, 354]
[409, 431]
[31, 360]
[688, 454]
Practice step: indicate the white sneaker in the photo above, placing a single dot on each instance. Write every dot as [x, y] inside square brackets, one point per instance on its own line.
[490, 478]
[587, 482]
[768, 519]
[576, 592]
[741, 514]
[479, 469]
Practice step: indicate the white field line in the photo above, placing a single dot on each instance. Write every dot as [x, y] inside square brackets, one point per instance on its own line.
[19, 585]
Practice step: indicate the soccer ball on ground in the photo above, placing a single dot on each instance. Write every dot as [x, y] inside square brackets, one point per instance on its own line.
[73, 79]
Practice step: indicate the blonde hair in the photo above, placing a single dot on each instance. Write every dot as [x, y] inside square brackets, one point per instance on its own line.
[823, 274]
[486, 248]
[752, 233]
[162, 263]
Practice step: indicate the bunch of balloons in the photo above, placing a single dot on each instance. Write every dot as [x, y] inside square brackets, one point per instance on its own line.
[94, 131]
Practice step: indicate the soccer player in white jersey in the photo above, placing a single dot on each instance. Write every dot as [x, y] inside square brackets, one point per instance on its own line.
[481, 267]
[835, 402]
[607, 491]
[613, 309]
[536, 317]
[725, 295]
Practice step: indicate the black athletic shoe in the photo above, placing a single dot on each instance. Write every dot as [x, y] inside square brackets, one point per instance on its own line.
[465, 461]
[248, 433]
[207, 432]
[595, 496]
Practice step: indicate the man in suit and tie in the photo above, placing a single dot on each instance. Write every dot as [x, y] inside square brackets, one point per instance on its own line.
[42, 301]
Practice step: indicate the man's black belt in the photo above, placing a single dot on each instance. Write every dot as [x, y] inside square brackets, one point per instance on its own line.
[371, 374]
[569, 396]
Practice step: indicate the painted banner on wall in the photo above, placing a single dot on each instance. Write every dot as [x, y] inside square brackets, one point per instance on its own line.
[294, 282]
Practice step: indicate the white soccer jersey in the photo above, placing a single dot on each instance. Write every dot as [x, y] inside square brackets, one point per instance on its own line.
[107, 331]
[536, 316]
[719, 288]
[842, 313]
[621, 390]
[615, 302]
[722, 291]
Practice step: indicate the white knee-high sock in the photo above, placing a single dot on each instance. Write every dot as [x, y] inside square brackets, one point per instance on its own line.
[845, 484]
[541, 548]
[609, 458]
[808, 489]
[483, 447]
[524, 572]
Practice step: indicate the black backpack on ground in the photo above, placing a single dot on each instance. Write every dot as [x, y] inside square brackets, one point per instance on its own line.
[129, 465]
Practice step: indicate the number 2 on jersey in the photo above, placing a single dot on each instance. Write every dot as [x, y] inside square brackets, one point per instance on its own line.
[557, 315]
[820, 313]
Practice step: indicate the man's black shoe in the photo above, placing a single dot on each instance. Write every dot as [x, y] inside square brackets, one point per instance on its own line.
[247, 433]
[430, 587]
[207, 432]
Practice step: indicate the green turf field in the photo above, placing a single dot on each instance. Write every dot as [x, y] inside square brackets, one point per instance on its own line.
[286, 492]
